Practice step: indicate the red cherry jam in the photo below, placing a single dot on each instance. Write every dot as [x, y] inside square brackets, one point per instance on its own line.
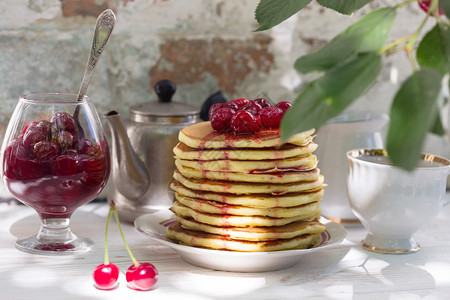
[51, 169]
[244, 116]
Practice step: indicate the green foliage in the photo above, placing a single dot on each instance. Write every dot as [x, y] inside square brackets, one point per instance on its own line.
[413, 112]
[329, 95]
[269, 13]
[367, 34]
[351, 63]
[434, 49]
[445, 6]
[343, 6]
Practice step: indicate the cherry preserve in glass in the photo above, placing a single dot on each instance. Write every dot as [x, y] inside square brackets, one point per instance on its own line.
[55, 158]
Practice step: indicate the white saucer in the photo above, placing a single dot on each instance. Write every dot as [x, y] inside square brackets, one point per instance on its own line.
[154, 226]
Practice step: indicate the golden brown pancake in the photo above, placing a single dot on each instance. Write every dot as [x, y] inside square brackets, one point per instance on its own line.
[280, 177]
[311, 212]
[256, 233]
[252, 200]
[218, 242]
[247, 188]
[298, 163]
[213, 207]
[202, 135]
[285, 151]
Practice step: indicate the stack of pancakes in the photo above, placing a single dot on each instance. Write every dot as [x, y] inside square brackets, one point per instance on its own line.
[246, 192]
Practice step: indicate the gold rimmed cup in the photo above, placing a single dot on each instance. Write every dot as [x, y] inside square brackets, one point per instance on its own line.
[392, 203]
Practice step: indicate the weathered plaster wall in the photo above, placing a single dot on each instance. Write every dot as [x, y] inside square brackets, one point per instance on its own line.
[202, 45]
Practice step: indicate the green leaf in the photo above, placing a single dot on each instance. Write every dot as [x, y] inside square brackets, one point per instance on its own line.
[434, 49]
[445, 7]
[329, 95]
[367, 34]
[438, 127]
[413, 112]
[270, 13]
[345, 7]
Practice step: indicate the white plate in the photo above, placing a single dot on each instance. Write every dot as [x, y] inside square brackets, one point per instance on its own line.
[154, 226]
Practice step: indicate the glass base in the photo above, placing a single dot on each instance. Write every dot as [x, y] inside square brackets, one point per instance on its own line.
[390, 246]
[54, 238]
[34, 246]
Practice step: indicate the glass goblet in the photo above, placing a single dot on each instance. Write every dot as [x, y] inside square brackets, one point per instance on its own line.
[55, 158]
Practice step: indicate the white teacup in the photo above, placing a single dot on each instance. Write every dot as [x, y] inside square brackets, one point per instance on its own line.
[392, 203]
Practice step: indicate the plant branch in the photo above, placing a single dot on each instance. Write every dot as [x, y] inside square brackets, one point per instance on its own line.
[409, 47]
[387, 49]
[405, 3]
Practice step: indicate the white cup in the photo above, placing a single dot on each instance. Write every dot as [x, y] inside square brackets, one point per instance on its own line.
[392, 203]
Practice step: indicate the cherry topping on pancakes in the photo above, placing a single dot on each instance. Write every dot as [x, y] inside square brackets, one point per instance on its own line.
[244, 116]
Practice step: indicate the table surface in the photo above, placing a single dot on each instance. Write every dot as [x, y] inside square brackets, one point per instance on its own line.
[345, 271]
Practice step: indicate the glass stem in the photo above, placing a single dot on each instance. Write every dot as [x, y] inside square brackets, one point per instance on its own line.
[55, 230]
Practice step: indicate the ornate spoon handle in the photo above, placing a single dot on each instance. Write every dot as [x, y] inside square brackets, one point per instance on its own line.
[103, 28]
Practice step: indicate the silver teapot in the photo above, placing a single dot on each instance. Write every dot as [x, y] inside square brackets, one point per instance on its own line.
[142, 162]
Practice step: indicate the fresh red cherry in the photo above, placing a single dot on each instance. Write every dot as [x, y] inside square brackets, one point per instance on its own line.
[262, 102]
[65, 139]
[64, 121]
[32, 136]
[425, 6]
[45, 150]
[82, 145]
[284, 105]
[105, 276]
[252, 107]
[29, 126]
[45, 127]
[243, 122]
[271, 116]
[142, 277]
[237, 104]
[221, 119]
[214, 108]
[14, 154]
[17, 149]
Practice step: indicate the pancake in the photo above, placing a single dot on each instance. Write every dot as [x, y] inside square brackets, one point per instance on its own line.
[218, 242]
[252, 200]
[202, 135]
[298, 163]
[183, 151]
[311, 212]
[279, 177]
[247, 187]
[249, 192]
[213, 207]
[256, 233]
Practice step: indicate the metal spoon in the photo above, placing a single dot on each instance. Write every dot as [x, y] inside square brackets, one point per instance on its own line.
[103, 28]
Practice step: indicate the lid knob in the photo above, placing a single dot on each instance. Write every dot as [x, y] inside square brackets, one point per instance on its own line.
[165, 90]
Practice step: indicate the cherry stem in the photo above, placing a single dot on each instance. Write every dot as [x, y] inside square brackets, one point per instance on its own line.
[106, 237]
[135, 262]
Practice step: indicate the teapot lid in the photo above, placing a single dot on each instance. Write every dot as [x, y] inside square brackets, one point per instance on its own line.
[164, 111]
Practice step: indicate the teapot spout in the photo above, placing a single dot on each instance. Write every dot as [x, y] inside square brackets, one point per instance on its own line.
[130, 175]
